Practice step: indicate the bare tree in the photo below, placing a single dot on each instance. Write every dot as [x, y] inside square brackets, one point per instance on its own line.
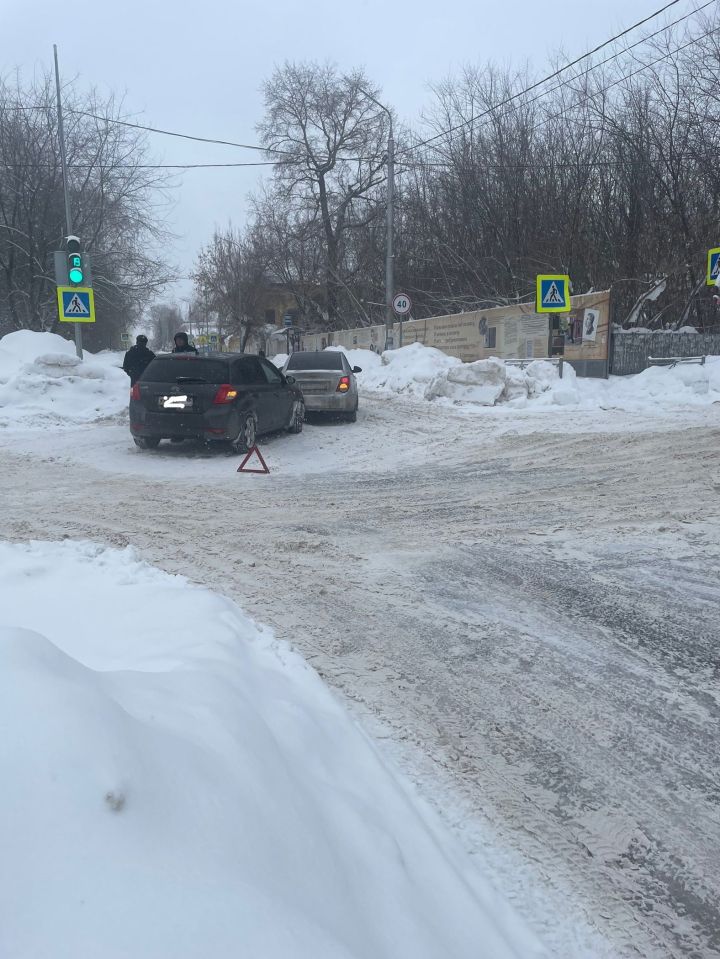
[115, 198]
[165, 320]
[609, 173]
[328, 137]
[231, 277]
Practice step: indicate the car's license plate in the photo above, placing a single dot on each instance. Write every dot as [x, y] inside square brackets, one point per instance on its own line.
[175, 402]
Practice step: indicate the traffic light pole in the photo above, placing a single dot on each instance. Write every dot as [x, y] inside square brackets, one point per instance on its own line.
[63, 162]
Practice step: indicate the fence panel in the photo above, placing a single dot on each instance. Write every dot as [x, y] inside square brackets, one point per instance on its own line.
[631, 351]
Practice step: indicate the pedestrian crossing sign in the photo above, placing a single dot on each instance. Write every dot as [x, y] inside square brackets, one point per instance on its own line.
[76, 304]
[713, 266]
[553, 293]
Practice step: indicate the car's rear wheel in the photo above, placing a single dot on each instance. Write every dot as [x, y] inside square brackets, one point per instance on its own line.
[146, 442]
[298, 417]
[245, 440]
[351, 417]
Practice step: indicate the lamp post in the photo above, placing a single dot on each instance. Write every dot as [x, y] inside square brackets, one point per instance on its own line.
[389, 278]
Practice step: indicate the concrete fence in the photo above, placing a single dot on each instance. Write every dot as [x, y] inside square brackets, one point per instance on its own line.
[631, 351]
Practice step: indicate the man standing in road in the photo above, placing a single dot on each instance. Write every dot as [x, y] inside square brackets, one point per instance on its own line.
[137, 358]
[182, 345]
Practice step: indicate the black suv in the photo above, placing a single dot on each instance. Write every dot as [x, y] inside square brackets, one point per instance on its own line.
[219, 396]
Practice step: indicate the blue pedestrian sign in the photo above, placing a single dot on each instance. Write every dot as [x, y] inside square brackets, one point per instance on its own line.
[553, 293]
[76, 304]
[713, 266]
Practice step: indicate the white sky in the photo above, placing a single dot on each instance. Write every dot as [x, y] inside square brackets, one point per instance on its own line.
[198, 67]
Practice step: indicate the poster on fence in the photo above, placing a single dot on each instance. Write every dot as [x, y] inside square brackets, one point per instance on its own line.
[591, 321]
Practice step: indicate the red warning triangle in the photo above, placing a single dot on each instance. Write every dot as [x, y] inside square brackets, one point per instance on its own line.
[252, 468]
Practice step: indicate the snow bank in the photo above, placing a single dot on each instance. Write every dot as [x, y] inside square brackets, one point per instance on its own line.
[43, 383]
[430, 374]
[407, 370]
[493, 382]
[426, 373]
[177, 783]
[687, 384]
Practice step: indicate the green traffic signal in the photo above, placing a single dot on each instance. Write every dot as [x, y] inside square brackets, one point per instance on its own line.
[75, 269]
[76, 272]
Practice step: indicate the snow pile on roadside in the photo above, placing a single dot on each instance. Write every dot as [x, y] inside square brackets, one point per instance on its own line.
[687, 384]
[42, 382]
[428, 374]
[184, 785]
[538, 385]
[407, 370]
[489, 382]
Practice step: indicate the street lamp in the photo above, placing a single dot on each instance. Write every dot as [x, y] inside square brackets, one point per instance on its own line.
[389, 280]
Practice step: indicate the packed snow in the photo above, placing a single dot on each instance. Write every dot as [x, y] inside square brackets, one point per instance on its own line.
[425, 373]
[183, 784]
[43, 383]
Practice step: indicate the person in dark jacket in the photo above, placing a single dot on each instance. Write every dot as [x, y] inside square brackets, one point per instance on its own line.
[137, 358]
[182, 345]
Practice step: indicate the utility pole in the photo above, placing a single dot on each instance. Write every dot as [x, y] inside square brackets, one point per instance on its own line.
[389, 262]
[63, 162]
[389, 220]
[207, 322]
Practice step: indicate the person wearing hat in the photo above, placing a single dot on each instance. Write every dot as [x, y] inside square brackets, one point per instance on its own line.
[137, 358]
[182, 344]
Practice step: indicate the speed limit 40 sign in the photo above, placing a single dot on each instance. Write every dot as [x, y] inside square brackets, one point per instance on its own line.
[401, 304]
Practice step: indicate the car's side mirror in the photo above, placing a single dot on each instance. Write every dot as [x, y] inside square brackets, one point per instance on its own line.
[357, 369]
[290, 379]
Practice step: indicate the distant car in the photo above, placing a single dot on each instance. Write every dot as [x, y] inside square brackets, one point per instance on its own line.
[327, 381]
[228, 397]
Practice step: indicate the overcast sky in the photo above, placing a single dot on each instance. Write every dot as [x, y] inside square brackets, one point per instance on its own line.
[197, 67]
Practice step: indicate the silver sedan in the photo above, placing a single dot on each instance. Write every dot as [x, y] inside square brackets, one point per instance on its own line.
[327, 381]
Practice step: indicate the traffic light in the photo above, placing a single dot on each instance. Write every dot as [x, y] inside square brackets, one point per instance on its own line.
[76, 269]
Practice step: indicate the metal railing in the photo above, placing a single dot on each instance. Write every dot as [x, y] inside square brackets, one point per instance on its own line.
[671, 361]
[522, 362]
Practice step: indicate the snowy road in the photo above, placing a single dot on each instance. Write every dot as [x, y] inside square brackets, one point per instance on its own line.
[523, 605]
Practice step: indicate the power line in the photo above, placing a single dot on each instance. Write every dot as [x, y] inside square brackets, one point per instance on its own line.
[246, 146]
[625, 77]
[179, 166]
[595, 66]
[430, 140]
[539, 83]
[590, 96]
[183, 136]
[544, 165]
[423, 164]
[556, 116]
[139, 166]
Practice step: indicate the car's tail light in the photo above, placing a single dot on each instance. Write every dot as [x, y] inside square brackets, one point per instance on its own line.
[135, 392]
[225, 394]
[344, 384]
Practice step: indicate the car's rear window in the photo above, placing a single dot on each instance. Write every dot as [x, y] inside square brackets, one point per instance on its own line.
[332, 360]
[166, 370]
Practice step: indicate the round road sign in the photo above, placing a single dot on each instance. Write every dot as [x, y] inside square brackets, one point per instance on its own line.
[401, 304]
